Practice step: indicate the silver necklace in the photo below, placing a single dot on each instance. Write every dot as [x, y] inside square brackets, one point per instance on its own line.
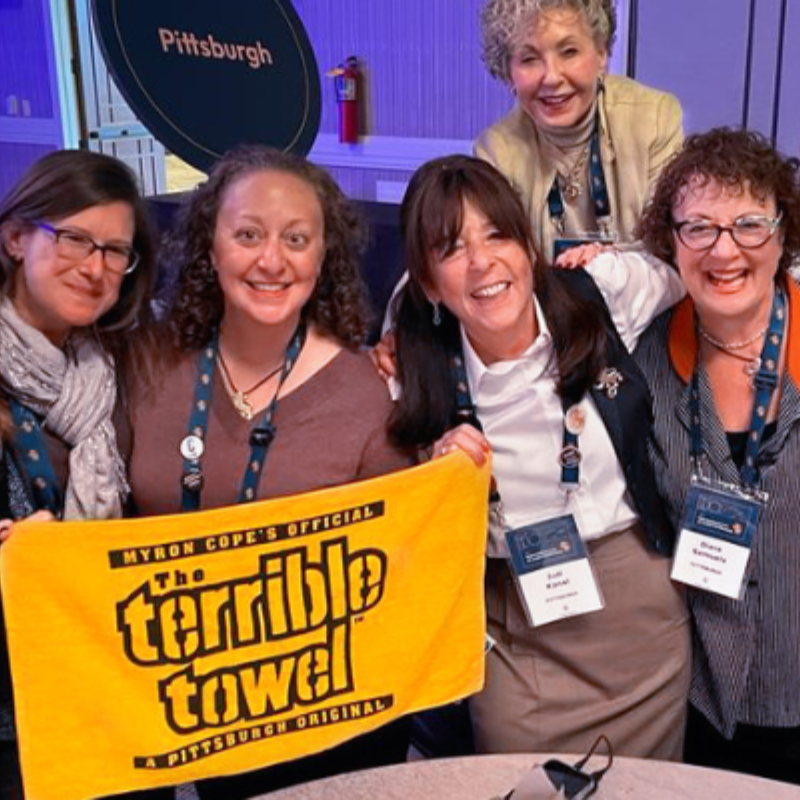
[752, 364]
[728, 346]
[572, 183]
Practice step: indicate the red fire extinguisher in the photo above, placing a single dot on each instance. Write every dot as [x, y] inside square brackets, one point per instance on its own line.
[346, 82]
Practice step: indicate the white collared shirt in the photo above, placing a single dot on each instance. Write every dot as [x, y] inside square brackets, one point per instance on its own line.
[522, 415]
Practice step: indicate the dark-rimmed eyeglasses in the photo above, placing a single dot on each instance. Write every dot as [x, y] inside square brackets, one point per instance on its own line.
[75, 246]
[748, 232]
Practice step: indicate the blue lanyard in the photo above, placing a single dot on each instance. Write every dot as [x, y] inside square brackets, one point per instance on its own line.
[570, 457]
[465, 408]
[765, 381]
[31, 449]
[261, 436]
[597, 186]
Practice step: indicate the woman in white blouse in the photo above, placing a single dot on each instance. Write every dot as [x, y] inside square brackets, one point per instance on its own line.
[495, 352]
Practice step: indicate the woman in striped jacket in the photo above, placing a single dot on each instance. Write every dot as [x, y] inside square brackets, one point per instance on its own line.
[724, 370]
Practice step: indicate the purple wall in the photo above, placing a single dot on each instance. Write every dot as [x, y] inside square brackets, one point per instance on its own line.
[728, 61]
[24, 68]
[29, 105]
[422, 57]
[428, 92]
[731, 62]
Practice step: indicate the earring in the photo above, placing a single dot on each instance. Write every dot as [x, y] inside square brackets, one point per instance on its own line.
[437, 317]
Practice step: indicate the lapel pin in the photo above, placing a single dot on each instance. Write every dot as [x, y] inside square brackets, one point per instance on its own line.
[609, 381]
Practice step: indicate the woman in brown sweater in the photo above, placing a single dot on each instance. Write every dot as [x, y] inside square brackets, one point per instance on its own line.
[263, 390]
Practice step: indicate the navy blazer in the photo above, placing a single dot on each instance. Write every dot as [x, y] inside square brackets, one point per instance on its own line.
[628, 418]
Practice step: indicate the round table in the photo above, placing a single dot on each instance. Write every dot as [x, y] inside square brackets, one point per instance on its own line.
[483, 777]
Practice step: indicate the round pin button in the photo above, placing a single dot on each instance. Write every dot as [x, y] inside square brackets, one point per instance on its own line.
[575, 420]
[570, 457]
[192, 447]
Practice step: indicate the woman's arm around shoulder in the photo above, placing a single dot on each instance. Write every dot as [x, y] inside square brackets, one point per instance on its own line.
[637, 287]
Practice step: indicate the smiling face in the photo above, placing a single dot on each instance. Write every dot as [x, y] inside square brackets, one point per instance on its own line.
[268, 248]
[486, 281]
[54, 293]
[730, 285]
[555, 67]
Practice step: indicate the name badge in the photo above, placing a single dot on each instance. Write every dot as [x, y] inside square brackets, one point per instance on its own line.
[715, 540]
[552, 571]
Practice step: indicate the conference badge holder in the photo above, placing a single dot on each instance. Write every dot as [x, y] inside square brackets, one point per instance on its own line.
[557, 780]
[716, 537]
[552, 571]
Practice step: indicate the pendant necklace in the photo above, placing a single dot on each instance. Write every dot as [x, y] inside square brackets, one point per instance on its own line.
[240, 399]
[752, 364]
[571, 182]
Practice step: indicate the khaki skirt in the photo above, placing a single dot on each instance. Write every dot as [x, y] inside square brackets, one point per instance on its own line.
[623, 671]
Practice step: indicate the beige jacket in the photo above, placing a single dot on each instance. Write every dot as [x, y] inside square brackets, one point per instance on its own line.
[641, 129]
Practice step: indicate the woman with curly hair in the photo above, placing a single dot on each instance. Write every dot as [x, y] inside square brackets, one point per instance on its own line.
[268, 315]
[724, 370]
[583, 149]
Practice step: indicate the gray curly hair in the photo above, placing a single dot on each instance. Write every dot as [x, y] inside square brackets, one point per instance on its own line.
[502, 22]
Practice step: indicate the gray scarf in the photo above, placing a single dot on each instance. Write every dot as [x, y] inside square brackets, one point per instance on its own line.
[75, 391]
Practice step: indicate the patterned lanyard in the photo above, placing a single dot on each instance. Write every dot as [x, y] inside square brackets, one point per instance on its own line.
[30, 446]
[570, 456]
[465, 408]
[765, 381]
[597, 187]
[193, 445]
[574, 420]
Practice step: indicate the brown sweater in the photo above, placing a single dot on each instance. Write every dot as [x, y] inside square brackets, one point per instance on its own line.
[330, 430]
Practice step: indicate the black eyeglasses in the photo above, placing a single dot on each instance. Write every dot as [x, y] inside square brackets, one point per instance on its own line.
[75, 246]
[748, 232]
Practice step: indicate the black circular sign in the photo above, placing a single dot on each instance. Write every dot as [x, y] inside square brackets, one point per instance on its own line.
[205, 75]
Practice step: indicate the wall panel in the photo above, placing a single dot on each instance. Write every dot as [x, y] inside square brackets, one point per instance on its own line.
[422, 59]
[731, 62]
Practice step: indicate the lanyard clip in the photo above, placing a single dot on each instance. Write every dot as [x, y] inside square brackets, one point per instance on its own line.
[765, 380]
[262, 436]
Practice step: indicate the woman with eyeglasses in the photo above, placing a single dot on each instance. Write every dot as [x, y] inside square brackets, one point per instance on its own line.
[76, 271]
[724, 370]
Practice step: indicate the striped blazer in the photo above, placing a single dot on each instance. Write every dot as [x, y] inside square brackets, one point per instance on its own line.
[747, 652]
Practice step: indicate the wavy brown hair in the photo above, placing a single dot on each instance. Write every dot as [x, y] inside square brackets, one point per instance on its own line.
[739, 161]
[431, 218]
[339, 305]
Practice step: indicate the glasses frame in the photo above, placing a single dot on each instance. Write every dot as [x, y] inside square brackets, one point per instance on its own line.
[103, 248]
[774, 224]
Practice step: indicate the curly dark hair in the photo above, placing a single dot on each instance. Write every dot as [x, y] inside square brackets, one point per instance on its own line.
[738, 160]
[339, 306]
